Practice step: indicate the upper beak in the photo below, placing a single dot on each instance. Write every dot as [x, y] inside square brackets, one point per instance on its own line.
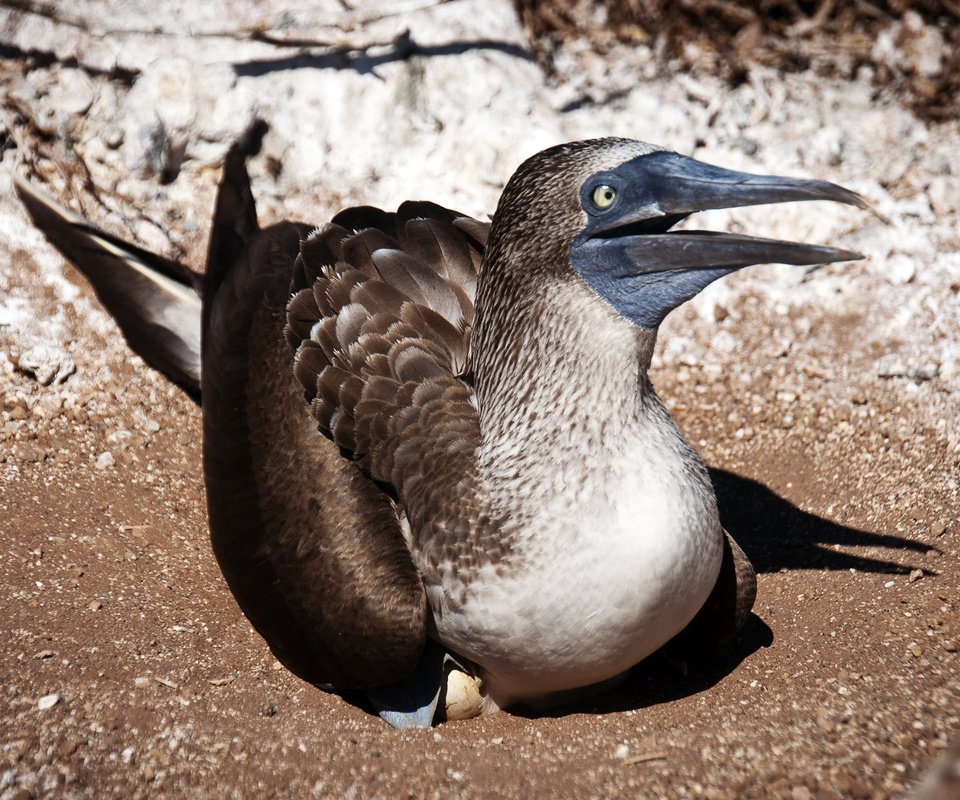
[674, 186]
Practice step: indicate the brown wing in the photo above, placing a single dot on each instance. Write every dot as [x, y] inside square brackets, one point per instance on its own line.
[380, 322]
[310, 547]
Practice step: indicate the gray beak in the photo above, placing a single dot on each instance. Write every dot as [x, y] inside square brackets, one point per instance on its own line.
[628, 255]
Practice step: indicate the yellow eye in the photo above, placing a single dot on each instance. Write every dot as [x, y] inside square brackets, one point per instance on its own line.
[603, 196]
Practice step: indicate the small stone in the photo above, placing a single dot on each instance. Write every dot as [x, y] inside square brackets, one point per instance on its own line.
[824, 723]
[901, 269]
[914, 649]
[925, 372]
[68, 747]
[43, 655]
[19, 411]
[48, 407]
[898, 368]
[950, 645]
[26, 453]
[105, 460]
[45, 364]
[95, 605]
[944, 194]
[915, 575]
[48, 701]
[141, 682]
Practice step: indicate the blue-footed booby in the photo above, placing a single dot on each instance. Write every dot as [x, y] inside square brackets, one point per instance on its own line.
[430, 442]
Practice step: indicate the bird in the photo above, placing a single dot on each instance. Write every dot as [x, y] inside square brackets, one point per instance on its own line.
[436, 468]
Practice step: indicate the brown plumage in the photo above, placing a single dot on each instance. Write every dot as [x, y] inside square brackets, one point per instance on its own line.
[346, 374]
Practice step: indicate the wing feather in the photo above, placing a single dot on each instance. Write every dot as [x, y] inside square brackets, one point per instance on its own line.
[393, 300]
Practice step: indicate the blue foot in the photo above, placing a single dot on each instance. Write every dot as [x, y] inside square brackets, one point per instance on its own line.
[412, 702]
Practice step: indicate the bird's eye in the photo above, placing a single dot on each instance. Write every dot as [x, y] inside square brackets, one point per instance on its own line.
[603, 196]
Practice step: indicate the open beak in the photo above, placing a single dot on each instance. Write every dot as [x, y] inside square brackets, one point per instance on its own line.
[663, 188]
[629, 256]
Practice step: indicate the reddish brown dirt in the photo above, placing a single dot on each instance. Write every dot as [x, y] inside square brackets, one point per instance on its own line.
[837, 484]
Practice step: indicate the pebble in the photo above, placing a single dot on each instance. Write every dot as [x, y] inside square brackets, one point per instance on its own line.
[46, 364]
[16, 408]
[48, 701]
[897, 368]
[944, 194]
[105, 460]
[910, 45]
[95, 605]
[900, 269]
[915, 575]
[26, 453]
[48, 407]
[141, 682]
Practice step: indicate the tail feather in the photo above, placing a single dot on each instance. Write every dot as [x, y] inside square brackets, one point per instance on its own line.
[155, 301]
[235, 214]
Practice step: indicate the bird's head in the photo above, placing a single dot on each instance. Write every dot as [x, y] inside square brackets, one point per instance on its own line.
[604, 208]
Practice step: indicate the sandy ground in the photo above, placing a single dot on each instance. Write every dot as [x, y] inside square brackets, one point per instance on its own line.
[825, 402]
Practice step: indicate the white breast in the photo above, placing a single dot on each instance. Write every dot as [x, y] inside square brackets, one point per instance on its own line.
[619, 550]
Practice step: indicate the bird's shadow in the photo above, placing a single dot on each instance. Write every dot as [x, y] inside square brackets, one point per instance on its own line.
[775, 535]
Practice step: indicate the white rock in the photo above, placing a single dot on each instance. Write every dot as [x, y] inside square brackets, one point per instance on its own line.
[47, 363]
[911, 46]
[900, 269]
[944, 194]
[105, 460]
[48, 701]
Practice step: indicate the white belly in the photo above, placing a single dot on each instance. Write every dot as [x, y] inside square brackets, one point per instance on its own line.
[601, 583]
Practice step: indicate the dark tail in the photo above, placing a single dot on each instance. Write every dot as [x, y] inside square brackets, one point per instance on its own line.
[155, 301]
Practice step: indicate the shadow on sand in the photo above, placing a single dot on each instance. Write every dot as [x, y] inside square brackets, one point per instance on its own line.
[363, 62]
[777, 535]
